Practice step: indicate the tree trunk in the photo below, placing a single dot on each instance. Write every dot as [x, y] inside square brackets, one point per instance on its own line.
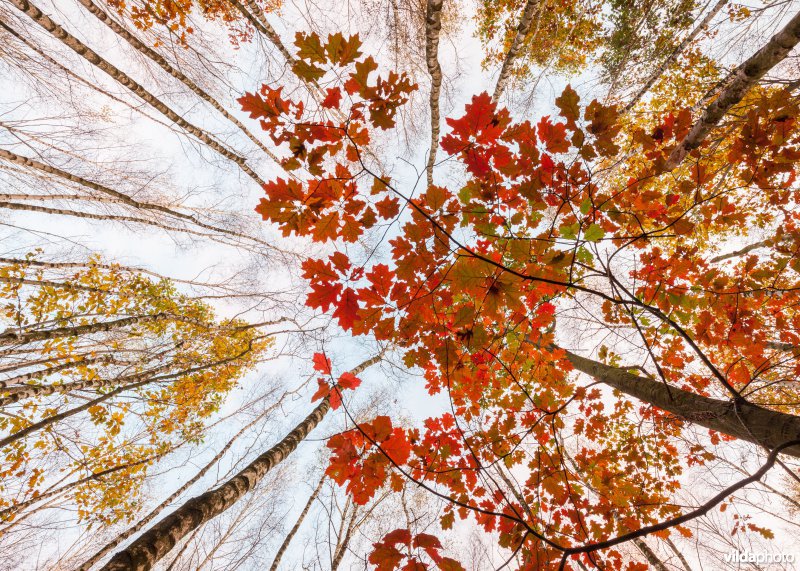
[156, 542]
[746, 76]
[10, 337]
[121, 197]
[287, 540]
[433, 26]
[524, 26]
[744, 421]
[675, 54]
[92, 57]
[177, 493]
[143, 48]
[45, 422]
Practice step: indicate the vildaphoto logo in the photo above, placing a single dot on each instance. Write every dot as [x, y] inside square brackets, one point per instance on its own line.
[752, 557]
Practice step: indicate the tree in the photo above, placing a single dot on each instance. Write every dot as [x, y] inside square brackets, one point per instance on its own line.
[600, 298]
[543, 228]
[148, 363]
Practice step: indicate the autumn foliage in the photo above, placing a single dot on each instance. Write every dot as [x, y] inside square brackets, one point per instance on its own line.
[573, 210]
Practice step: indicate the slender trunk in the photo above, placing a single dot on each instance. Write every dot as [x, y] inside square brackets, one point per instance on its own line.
[159, 540]
[16, 394]
[341, 548]
[69, 73]
[11, 337]
[92, 57]
[287, 540]
[47, 283]
[105, 217]
[16, 508]
[153, 55]
[677, 552]
[744, 420]
[649, 554]
[524, 26]
[177, 493]
[255, 16]
[45, 422]
[659, 71]
[746, 76]
[433, 26]
[119, 196]
[7, 389]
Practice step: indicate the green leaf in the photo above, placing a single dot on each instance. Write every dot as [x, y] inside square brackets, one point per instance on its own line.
[594, 233]
[570, 231]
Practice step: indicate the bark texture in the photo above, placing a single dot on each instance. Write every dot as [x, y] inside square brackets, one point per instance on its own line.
[744, 421]
[92, 57]
[163, 505]
[523, 28]
[746, 76]
[11, 337]
[433, 26]
[156, 542]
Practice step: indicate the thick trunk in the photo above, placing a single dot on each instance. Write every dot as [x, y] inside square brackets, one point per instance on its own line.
[675, 54]
[288, 539]
[92, 57]
[744, 421]
[433, 26]
[524, 26]
[177, 493]
[747, 75]
[156, 542]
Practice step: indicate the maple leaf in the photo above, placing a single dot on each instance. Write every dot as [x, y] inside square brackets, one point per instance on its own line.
[323, 390]
[348, 381]
[322, 364]
[309, 47]
[567, 102]
[343, 51]
[553, 135]
[347, 309]
[333, 98]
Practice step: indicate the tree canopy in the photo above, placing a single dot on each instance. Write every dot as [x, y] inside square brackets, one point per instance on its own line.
[580, 266]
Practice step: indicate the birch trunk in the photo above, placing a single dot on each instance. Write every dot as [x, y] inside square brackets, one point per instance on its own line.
[746, 76]
[744, 421]
[433, 26]
[92, 57]
[524, 26]
[159, 540]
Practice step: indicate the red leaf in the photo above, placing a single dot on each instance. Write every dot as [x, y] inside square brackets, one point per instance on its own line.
[322, 390]
[397, 536]
[347, 309]
[397, 447]
[349, 381]
[427, 541]
[333, 98]
[322, 364]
